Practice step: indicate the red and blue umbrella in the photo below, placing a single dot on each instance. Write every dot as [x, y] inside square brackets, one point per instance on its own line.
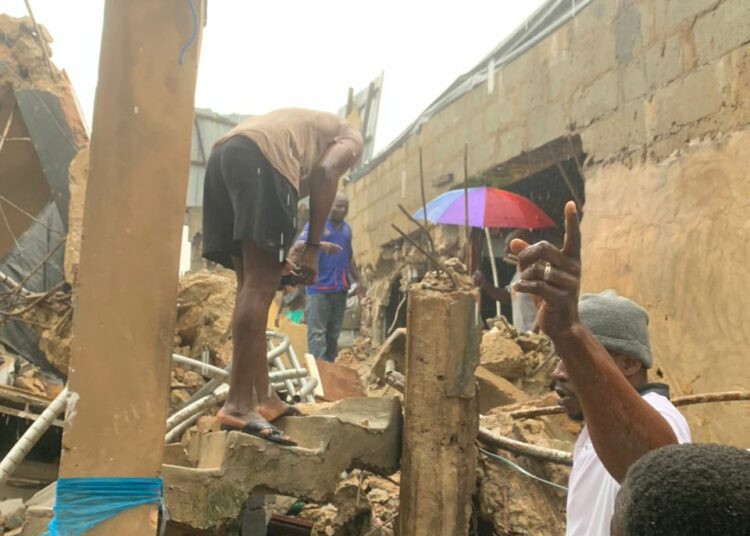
[488, 208]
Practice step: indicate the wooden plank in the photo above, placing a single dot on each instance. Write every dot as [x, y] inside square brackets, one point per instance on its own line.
[338, 381]
[135, 205]
[26, 415]
[19, 396]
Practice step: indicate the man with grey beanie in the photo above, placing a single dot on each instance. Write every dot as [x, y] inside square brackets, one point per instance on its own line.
[602, 341]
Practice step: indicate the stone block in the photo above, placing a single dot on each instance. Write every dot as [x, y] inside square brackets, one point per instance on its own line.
[510, 144]
[664, 62]
[501, 355]
[628, 31]
[720, 31]
[622, 129]
[686, 100]
[596, 100]
[596, 16]
[592, 55]
[515, 75]
[672, 14]
[634, 84]
[546, 124]
[354, 433]
[495, 390]
[37, 520]
[482, 156]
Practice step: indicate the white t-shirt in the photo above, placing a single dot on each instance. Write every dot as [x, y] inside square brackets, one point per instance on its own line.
[592, 490]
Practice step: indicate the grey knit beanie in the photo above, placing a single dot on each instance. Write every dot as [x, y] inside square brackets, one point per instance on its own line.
[621, 325]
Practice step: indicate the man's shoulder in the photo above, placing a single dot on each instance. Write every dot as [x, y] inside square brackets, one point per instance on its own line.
[671, 414]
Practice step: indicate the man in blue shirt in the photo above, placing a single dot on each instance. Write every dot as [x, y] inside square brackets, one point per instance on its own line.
[326, 298]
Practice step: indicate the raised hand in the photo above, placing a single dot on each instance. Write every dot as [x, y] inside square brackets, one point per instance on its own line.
[553, 275]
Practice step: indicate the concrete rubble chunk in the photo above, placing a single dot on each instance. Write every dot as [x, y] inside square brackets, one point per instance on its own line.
[501, 355]
[353, 433]
[496, 391]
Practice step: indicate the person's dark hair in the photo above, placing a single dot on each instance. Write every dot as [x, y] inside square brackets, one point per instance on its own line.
[687, 490]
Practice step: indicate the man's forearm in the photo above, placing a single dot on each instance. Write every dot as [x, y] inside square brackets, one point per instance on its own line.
[623, 427]
[322, 192]
[496, 293]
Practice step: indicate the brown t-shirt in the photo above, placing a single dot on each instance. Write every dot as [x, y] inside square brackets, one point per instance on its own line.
[293, 139]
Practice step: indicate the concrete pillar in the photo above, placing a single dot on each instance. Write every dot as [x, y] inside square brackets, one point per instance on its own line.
[438, 463]
[134, 210]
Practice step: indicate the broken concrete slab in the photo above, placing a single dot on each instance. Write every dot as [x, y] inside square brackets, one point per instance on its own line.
[36, 521]
[496, 391]
[227, 466]
[501, 355]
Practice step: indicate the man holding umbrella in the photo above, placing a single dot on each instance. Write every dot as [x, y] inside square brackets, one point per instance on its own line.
[492, 208]
[523, 306]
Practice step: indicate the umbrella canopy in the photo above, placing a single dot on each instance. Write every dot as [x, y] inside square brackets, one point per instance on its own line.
[488, 207]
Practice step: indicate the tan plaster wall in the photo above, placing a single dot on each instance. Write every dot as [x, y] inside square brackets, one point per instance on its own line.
[675, 237]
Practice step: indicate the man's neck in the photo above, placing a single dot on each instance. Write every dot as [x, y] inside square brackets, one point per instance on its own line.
[336, 223]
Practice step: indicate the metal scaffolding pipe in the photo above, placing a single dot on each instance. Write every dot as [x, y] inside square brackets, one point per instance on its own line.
[32, 435]
[214, 399]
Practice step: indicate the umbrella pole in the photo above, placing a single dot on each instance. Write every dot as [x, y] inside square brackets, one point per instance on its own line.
[491, 251]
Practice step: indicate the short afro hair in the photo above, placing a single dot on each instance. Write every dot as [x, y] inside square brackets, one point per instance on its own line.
[687, 490]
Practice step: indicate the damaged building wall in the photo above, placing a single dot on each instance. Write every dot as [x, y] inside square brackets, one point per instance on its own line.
[41, 132]
[669, 235]
[653, 89]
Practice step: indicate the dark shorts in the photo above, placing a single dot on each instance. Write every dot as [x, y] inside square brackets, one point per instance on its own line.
[245, 198]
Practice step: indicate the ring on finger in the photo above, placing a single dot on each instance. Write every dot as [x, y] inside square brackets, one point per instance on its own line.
[547, 271]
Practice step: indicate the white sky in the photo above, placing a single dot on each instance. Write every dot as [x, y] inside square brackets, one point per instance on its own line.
[258, 56]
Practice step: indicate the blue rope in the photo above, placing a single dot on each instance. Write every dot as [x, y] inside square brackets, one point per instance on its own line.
[192, 37]
[83, 503]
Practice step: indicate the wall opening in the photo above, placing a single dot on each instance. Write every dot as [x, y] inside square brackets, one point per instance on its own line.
[550, 177]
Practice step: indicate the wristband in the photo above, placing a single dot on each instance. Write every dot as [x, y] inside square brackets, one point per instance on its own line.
[313, 244]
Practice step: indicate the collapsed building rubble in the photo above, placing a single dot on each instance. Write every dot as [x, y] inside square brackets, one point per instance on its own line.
[41, 133]
[517, 492]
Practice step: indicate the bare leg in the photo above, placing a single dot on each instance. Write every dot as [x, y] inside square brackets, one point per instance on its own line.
[258, 276]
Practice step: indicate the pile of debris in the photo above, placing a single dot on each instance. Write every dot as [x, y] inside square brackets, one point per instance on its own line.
[514, 373]
[43, 162]
[362, 502]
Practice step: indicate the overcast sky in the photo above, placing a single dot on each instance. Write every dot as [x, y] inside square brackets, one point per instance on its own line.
[258, 56]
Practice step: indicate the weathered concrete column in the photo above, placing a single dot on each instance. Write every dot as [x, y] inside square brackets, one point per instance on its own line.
[134, 209]
[441, 416]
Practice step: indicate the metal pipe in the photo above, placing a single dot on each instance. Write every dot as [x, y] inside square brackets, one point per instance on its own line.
[291, 391]
[210, 370]
[283, 346]
[287, 374]
[13, 284]
[295, 363]
[198, 406]
[175, 433]
[32, 435]
[307, 390]
[495, 279]
[219, 373]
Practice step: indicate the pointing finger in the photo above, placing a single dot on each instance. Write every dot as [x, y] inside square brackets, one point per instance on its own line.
[572, 244]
